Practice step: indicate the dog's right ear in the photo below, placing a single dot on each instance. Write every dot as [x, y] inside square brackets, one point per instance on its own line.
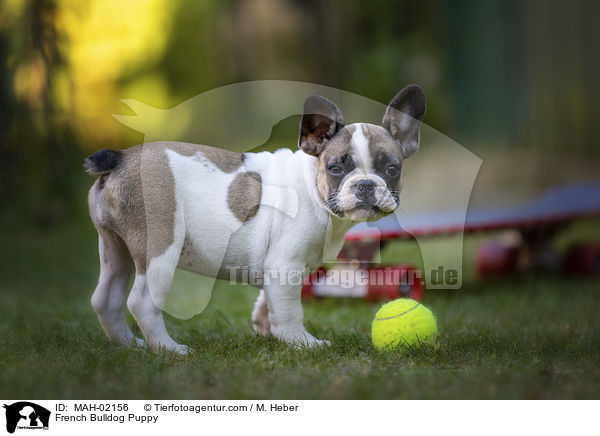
[321, 120]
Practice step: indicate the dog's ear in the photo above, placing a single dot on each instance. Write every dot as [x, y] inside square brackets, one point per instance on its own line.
[403, 118]
[321, 120]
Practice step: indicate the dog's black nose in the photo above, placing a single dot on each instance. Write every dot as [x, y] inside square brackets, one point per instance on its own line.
[366, 185]
[365, 188]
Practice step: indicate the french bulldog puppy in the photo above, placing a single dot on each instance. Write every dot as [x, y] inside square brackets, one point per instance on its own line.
[167, 205]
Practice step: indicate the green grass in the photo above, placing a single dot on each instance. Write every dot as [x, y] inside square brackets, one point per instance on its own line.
[521, 337]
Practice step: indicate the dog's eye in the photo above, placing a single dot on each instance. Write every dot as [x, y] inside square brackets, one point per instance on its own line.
[335, 170]
[392, 170]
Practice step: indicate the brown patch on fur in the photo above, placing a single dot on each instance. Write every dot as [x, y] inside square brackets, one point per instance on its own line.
[339, 145]
[380, 141]
[384, 150]
[225, 160]
[244, 195]
[143, 186]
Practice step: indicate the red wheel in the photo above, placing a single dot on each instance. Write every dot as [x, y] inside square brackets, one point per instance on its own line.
[395, 281]
[494, 258]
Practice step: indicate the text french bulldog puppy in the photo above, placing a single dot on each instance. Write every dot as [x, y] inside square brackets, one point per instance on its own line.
[165, 205]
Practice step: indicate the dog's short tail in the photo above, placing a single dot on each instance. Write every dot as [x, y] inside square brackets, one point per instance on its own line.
[102, 162]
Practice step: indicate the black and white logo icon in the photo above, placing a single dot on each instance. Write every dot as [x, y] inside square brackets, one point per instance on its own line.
[26, 415]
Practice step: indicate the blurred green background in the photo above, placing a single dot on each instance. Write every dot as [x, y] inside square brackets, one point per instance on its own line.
[514, 81]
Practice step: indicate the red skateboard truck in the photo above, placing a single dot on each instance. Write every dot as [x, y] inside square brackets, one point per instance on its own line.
[496, 258]
[371, 283]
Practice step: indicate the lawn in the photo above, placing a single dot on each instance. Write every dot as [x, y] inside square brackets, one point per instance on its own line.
[519, 337]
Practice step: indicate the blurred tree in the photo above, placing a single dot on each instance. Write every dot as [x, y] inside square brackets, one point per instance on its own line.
[38, 151]
[562, 66]
[496, 72]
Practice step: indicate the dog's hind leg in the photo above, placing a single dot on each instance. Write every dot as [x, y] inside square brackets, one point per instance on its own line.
[148, 296]
[150, 317]
[108, 300]
[260, 315]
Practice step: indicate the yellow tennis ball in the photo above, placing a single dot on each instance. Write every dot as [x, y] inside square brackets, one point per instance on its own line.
[403, 322]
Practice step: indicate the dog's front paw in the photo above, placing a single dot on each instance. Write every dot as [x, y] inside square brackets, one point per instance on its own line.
[262, 328]
[323, 343]
[260, 323]
[300, 339]
[180, 349]
[137, 343]
[316, 343]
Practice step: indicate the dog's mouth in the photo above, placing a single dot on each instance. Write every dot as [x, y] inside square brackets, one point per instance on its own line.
[364, 212]
[370, 208]
[367, 206]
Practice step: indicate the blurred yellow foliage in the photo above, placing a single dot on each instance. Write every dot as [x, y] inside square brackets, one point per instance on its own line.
[30, 80]
[105, 42]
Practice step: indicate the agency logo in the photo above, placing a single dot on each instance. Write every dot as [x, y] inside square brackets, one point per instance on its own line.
[26, 415]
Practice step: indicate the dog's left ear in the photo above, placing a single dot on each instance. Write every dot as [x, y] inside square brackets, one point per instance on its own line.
[321, 120]
[403, 118]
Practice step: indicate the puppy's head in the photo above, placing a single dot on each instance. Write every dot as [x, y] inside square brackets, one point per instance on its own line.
[359, 173]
